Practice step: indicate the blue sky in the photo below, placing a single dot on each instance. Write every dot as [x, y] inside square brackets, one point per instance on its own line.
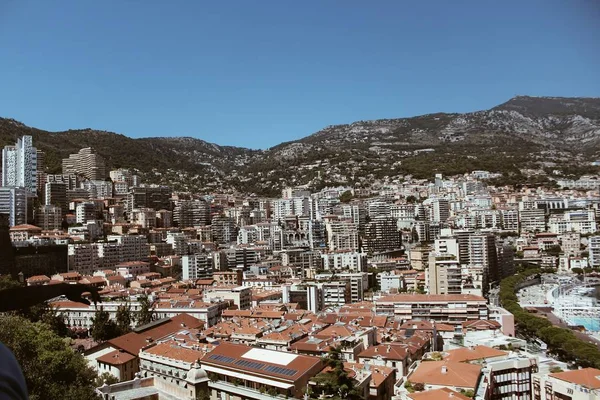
[256, 73]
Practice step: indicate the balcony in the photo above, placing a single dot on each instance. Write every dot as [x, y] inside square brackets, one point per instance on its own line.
[242, 391]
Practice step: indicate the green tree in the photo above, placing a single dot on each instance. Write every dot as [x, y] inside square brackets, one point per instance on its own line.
[146, 313]
[346, 196]
[105, 377]
[103, 328]
[6, 282]
[124, 318]
[335, 381]
[51, 368]
[577, 271]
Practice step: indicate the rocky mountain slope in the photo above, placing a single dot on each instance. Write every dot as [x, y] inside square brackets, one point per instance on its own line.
[534, 133]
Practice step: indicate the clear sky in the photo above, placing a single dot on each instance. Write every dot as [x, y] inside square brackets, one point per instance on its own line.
[256, 73]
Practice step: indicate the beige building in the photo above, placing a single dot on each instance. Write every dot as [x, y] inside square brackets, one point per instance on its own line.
[85, 163]
[240, 295]
[444, 275]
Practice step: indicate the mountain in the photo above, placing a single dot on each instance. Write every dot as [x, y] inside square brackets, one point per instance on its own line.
[525, 134]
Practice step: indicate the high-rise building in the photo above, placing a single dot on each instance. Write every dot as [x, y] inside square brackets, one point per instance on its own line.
[156, 197]
[196, 266]
[532, 219]
[441, 210]
[70, 180]
[223, 230]
[85, 163]
[483, 252]
[13, 202]
[19, 165]
[342, 235]
[382, 234]
[85, 212]
[49, 217]
[444, 275]
[191, 213]
[41, 171]
[55, 194]
[594, 250]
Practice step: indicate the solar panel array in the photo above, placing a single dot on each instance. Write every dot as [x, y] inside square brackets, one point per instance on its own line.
[280, 370]
[254, 365]
[218, 357]
[250, 364]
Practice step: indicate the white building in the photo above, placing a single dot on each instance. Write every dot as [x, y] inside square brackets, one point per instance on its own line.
[594, 250]
[85, 212]
[581, 221]
[19, 165]
[344, 260]
[197, 266]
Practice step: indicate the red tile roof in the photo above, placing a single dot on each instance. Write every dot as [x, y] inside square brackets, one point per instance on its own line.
[586, 377]
[446, 373]
[116, 357]
[476, 353]
[438, 394]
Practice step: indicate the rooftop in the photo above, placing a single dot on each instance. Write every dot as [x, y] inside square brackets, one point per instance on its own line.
[586, 377]
[276, 364]
[446, 373]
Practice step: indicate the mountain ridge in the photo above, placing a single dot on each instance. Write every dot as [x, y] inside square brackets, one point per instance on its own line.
[523, 132]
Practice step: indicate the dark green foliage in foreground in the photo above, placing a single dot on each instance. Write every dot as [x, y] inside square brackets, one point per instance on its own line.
[52, 369]
[335, 382]
[561, 342]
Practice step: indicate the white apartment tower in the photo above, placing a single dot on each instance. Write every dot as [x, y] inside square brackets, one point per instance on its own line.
[19, 165]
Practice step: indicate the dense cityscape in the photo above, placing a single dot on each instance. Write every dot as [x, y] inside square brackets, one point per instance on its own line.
[439, 288]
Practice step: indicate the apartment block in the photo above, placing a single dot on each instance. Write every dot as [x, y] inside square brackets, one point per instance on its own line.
[449, 309]
[85, 163]
[13, 202]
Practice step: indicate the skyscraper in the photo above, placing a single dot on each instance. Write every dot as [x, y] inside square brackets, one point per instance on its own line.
[19, 165]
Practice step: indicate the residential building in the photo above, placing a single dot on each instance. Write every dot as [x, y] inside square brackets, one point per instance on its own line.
[156, 197]
[247, 372]
[450, 309]
[55, 194]
[594, 250]
[85, 212]
[240, 295]
[49, 217]
[507, 378]
[532, 220]
[444, 275]
[197, 266]
[580, 221]
[344, 260]
[13, 202]
[381, 235]
[191, 213]
[19, 165]
[85, 163]
[446, 374]
[579, 384]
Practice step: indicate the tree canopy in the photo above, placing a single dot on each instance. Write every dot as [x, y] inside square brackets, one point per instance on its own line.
[146, 313]
[103, 328]
[561, 342]
[51, 368]
[334, 380]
